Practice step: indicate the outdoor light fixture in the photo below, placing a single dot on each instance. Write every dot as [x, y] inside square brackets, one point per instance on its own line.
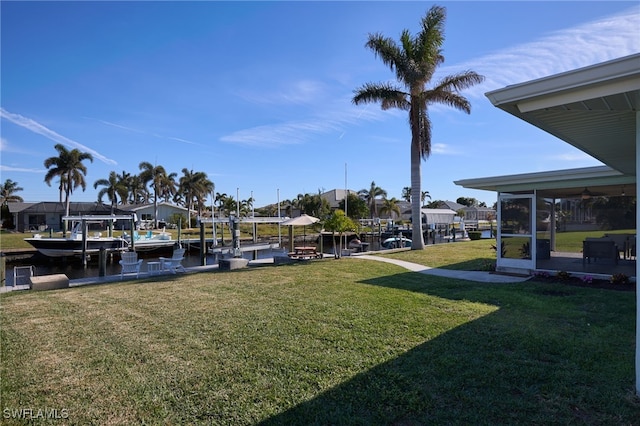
[586, 194]
[623, 194]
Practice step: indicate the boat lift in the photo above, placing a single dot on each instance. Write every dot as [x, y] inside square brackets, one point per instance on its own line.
[85, 219]
[233, 223]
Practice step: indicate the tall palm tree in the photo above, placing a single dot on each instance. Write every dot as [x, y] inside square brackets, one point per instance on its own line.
[124, 180]
[206, 187]
[168, 186]
[69, 168]
[62, 184]
[370, 195]
[221, 200]
[156, 176]
[414, 61]
[138, 192]
[229, 205]
[113, 188]
[8, 192]
[194, 186]
[406, 194]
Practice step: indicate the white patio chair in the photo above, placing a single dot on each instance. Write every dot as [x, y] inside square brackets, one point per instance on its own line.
[173, 263]
[130, 263]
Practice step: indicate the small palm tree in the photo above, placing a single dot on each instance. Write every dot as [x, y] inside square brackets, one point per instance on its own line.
[415, 60]
[340, 223]
[424, 195]
[68, 167]
[8, 192]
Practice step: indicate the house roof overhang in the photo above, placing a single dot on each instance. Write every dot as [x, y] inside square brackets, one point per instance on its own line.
[600, 180]
[592, 108]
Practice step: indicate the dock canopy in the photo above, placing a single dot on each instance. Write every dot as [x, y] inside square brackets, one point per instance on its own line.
[438, 216]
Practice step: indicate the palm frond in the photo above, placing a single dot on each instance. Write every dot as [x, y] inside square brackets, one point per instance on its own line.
[385, 93]
[460, 81]
[451, 99]
[385, 48]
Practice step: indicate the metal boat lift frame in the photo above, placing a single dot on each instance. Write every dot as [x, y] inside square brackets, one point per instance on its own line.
[84, 219]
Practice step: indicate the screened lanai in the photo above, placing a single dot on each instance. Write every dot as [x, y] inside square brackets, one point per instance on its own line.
[597, 110]
[530, 213]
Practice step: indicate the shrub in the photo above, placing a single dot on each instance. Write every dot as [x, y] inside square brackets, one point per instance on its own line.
[175, 218]
[541, 275]
[488, 265]
[619, 278]
[503, 249]
[563, 275]
[474, 235]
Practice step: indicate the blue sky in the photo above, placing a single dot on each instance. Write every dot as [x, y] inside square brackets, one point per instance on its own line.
[258, 94]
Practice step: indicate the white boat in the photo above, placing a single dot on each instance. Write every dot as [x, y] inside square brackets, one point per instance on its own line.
[150, 241]
[394, 242]
[74, 244]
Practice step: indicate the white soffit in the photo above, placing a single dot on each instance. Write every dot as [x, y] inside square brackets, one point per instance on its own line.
[592, 108]
[559, 182]
[583, 95]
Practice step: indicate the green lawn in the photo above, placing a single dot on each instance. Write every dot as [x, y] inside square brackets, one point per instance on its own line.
[572, 241]
[343, 342]
[461, 255]
[479, 254]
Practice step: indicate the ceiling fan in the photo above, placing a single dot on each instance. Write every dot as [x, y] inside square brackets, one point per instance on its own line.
[587, 194]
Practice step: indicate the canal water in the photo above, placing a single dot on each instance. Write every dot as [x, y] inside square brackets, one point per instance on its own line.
[74, 269]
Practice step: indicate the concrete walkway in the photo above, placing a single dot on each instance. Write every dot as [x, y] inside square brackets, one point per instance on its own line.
[480, 276]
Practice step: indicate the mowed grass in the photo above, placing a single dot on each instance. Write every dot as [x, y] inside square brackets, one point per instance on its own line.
[347, 341]
[477, 255]
[461, 255]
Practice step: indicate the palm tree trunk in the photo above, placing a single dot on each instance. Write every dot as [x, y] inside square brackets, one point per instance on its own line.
[417, 242]
[66, 208]
[155, 210]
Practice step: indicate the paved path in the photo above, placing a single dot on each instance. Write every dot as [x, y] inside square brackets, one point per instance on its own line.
[481, 276]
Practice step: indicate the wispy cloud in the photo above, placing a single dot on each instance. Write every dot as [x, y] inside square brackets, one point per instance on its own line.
[444, 149]
[564, 50]
[38, 128]
[591, 43]
[275, 135]
[334, 118]
[4, 168]
[296, 92]
[143, 132]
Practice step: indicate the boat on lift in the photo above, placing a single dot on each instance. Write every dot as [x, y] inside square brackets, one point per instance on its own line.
[150, 242]
[76, 244]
